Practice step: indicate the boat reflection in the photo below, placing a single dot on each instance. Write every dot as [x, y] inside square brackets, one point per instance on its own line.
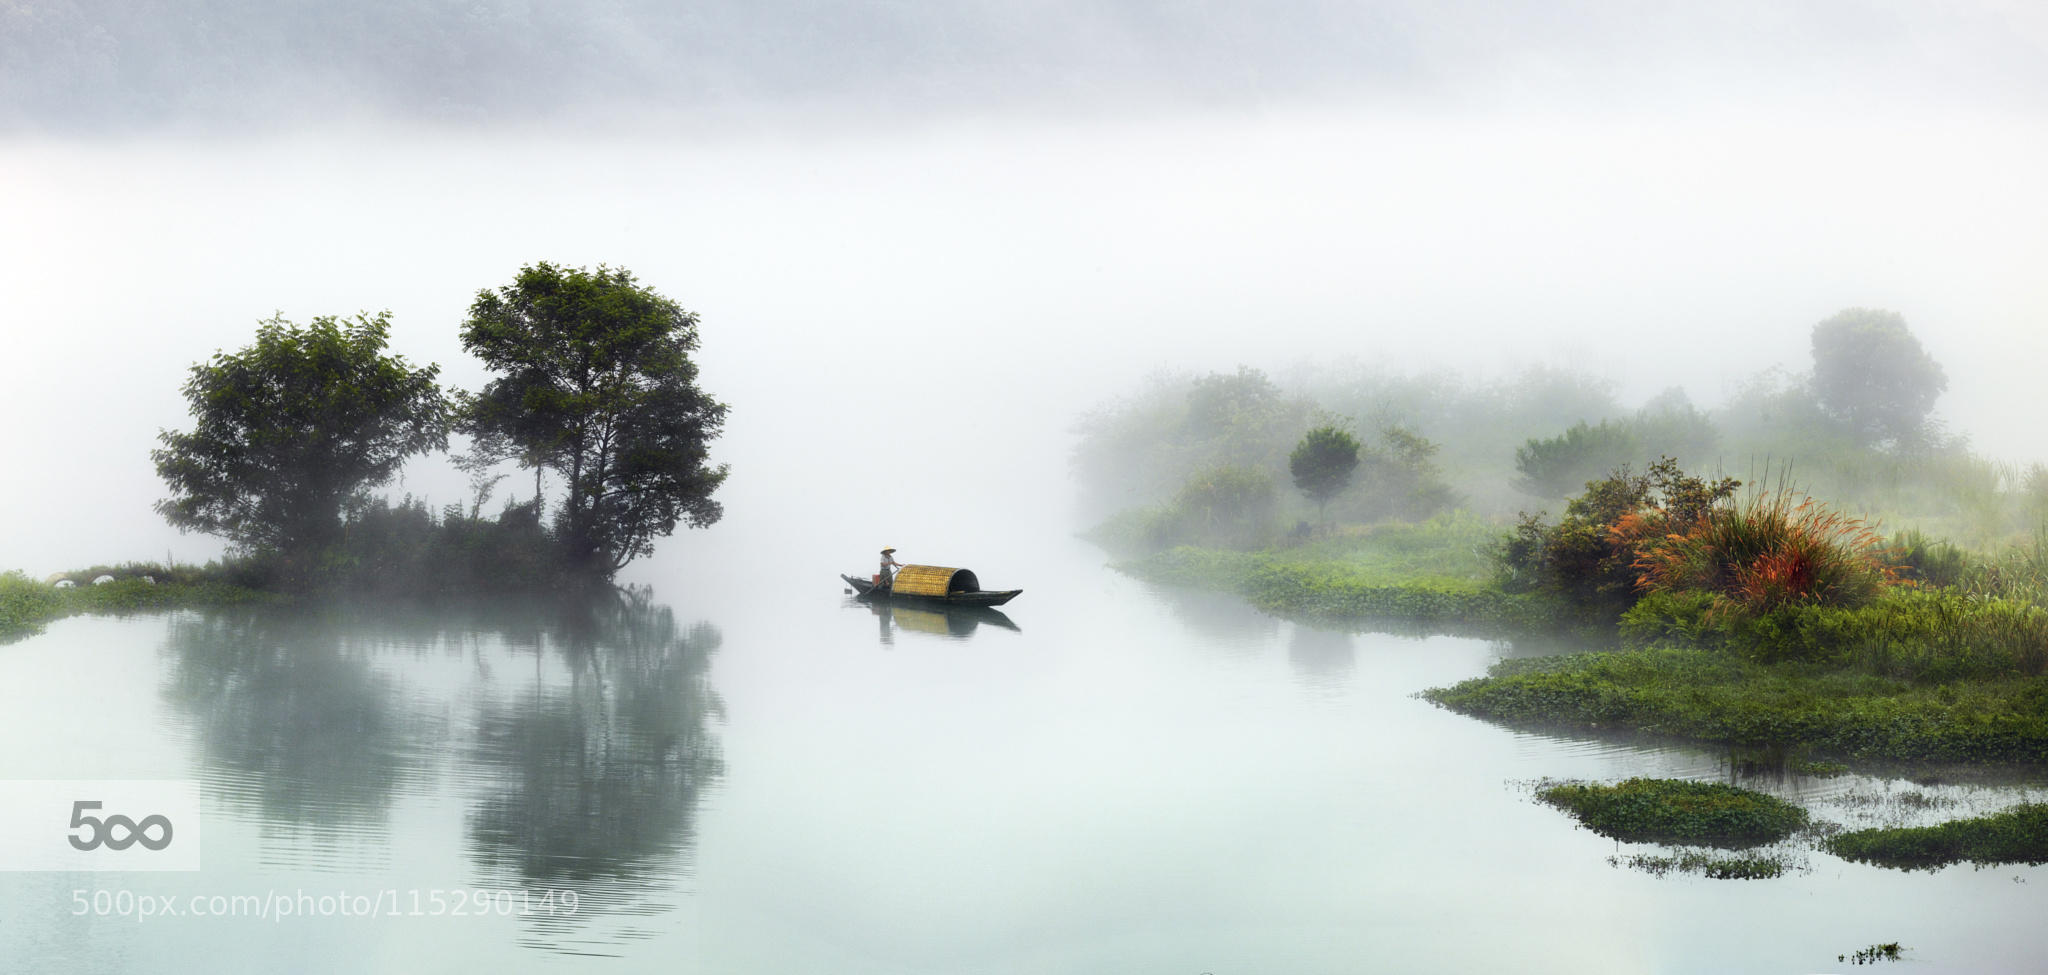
[951, 622]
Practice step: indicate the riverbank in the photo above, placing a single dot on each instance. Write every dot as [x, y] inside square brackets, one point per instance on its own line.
[1710, 697]
[27, 605]
[1434, 576]
[1921, 675]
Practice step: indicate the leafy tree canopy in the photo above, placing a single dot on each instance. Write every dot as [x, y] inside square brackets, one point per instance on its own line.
[1870, 374]
[291, 429]
[1323, 462]
[596, 384]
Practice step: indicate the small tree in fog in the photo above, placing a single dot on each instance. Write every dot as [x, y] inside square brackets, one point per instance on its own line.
[1322, 464]
[291, 429]
[595, 383]
[1870, 374]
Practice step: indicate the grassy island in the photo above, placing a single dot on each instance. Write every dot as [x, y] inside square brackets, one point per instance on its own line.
[2018, 835]
[1677, 812]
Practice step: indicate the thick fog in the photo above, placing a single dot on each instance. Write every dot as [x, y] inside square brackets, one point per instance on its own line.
[96, 65]
[922, 242]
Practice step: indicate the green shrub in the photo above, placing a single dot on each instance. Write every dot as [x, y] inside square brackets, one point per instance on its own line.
[26, 604]
[1676, 811]
[2018, 835]
[1590, 556]
[406, 548]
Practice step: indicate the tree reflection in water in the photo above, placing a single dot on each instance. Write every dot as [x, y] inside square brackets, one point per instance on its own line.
[1321, 655]
[580, 731]
[597, 780]
[292, 717]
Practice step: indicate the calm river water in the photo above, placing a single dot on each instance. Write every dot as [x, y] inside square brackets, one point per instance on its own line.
[744, 775]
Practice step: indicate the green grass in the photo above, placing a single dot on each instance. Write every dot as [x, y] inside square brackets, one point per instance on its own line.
[2018, 835]
[26, 605]
[1447, 550]
[1706, 696]
[1676, 811]
[1924, 635]
[1437, 572]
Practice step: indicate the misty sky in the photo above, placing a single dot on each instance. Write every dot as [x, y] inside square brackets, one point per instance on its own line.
[999, 213]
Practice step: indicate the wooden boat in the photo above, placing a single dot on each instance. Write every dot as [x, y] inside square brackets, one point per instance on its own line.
[935, 584]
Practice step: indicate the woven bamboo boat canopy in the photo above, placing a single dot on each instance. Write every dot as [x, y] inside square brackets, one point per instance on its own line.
[934, 580]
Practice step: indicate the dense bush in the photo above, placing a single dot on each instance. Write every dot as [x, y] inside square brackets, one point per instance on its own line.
[1589, 557]
[2018, 835]
[1676, 811]
[406, 548]
[1758, 556]
[25, 604]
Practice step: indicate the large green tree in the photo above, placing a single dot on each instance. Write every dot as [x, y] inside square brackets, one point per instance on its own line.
[291, 429]
[1870, 374]
[596, 384]
[1322, 464]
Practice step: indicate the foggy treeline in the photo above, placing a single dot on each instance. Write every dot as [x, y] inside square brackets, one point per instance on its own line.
[1214, 449]
[81, 65]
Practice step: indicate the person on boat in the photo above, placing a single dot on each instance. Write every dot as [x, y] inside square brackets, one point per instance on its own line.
[889, 564]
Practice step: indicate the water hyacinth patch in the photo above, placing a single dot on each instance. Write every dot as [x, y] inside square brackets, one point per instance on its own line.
[1676, 811]
[2017, 835]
